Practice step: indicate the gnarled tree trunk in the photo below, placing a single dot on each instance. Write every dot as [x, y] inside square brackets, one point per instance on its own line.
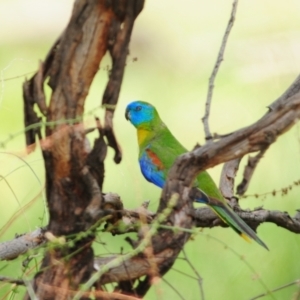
[74, 176]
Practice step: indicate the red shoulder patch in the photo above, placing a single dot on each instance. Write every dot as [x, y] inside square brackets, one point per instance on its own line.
[155, 160]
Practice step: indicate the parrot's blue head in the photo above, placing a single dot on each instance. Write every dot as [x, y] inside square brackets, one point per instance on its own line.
[141, 114]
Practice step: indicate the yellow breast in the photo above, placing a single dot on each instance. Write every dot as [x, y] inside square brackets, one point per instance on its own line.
[142, 134]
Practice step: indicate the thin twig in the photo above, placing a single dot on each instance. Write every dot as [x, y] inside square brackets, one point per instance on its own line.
[199, 278]
[208, 136]
[282, 191]
[277, 289]
[12, 280]
[184, 273]
[17, 76]
[173, 288]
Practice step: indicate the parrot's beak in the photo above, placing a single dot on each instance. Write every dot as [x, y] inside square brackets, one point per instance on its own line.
[127, 115]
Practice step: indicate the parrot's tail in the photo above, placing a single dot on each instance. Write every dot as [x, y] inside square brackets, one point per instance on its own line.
[234, 221]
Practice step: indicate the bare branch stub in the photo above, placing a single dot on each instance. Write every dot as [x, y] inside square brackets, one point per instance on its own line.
[33, 93]
[227, 178]
[248, 172]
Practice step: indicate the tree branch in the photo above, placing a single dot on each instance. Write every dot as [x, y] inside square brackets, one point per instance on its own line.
[12, 280]
[253, 138]
[205, 217]
[21, 244]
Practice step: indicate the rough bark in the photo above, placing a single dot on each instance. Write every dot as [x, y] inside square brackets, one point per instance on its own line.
[72, 185]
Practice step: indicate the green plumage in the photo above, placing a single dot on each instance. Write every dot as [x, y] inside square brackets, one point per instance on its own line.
[162, 142]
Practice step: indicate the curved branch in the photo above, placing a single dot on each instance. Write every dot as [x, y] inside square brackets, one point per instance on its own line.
[253, 138]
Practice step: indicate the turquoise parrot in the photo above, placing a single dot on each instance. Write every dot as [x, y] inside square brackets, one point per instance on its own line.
[158, 150]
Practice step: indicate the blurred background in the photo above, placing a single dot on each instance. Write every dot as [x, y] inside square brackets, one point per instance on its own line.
[172, 53]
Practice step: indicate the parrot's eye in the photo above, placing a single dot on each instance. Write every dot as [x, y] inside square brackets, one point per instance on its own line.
[138, 108]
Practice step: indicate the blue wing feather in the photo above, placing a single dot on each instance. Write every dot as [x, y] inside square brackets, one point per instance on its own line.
[152, 172]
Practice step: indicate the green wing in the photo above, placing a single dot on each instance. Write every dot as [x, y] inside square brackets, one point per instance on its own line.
[168, 148]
